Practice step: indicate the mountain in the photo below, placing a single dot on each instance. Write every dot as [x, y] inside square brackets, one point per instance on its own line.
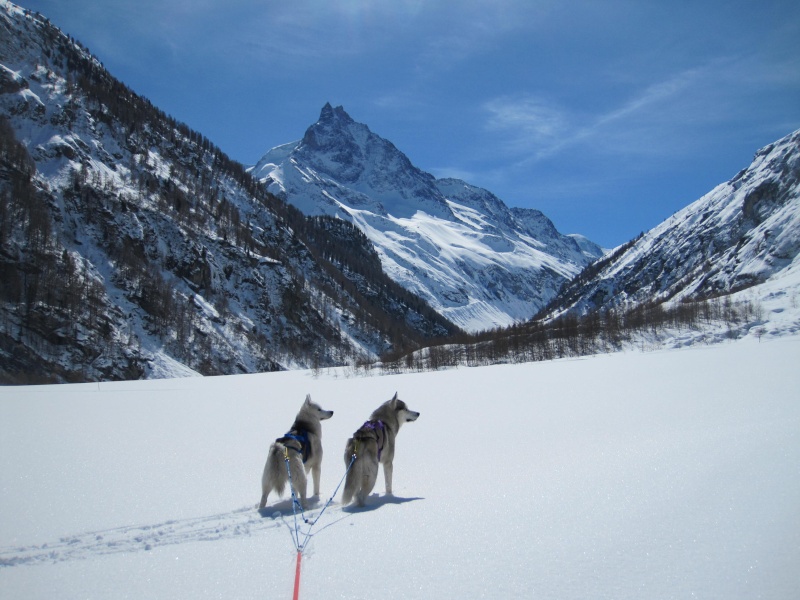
[131, 246]
[459, 247]
[743, 233]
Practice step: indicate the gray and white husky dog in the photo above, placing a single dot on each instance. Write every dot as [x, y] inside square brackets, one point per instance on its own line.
[373, 444]
[302, 446]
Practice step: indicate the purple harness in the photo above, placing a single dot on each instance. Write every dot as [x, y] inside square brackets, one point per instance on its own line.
[374, 426]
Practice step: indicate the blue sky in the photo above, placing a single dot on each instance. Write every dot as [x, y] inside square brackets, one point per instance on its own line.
[606, 116]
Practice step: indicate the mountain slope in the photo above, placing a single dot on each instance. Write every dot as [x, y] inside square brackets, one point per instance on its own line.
[130, 243]
[741, 234]
[459, 247]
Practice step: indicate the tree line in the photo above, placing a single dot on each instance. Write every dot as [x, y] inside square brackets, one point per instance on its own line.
[571, 335]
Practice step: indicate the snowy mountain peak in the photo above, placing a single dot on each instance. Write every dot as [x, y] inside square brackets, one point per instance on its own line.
[458, 246]
[345, 163]
[329, 113]
[334, 130]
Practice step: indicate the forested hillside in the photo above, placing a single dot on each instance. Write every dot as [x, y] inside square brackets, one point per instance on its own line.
[131, 242]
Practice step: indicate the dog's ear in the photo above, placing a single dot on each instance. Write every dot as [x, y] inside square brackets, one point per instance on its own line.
[308, 398]
[394, 399]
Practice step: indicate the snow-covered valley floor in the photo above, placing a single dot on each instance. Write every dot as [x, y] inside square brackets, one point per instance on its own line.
[668, 474]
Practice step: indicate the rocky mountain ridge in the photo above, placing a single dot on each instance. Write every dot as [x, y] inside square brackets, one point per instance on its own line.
[472, 258]
[743, 233]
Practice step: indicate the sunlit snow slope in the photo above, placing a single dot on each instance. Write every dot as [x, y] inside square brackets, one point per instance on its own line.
[742, 234]
[459, 247]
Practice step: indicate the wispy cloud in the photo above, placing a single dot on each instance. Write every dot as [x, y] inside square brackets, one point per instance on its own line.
[527, 115]
[530, 123]
[653, 94]
[453, 31]
[535, 128]
[299, 32]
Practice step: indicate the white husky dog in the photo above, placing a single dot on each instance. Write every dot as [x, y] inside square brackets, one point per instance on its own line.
[302, 447]
[373, 444]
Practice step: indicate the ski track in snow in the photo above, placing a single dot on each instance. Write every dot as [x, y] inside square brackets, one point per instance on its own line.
[238, 523]
[242, 522]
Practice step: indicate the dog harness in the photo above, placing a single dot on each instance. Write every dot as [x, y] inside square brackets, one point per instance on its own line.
[373, 427]
[302, 439]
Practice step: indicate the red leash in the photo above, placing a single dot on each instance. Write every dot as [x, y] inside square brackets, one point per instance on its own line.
[297, 577]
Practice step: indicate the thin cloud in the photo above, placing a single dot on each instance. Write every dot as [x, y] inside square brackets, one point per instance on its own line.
[449, 33]
[304, 31]
[532, 123]
[655, 93]
[539, 129]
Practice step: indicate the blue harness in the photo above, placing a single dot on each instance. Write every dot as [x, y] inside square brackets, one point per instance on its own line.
[302, 439]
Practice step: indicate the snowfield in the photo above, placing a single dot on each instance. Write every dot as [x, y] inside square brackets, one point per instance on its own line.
[669, 474]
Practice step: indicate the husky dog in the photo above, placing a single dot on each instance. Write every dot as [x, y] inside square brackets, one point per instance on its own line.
[302, 447]
[372, 444]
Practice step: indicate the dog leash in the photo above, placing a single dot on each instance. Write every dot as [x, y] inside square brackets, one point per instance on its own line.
[296, 535]
[296, 594]
[295, 501]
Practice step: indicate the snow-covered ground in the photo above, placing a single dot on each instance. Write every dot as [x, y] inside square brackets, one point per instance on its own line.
[668, 474]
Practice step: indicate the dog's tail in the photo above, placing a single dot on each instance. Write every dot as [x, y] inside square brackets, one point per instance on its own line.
[275, 475]
[353, 477]
[362, 474]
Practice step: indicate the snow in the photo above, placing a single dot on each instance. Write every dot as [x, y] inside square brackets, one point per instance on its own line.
[771, 239]
[206, 307]
[455, 245]
[669, 474]
[163, 366]
[441, 260]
